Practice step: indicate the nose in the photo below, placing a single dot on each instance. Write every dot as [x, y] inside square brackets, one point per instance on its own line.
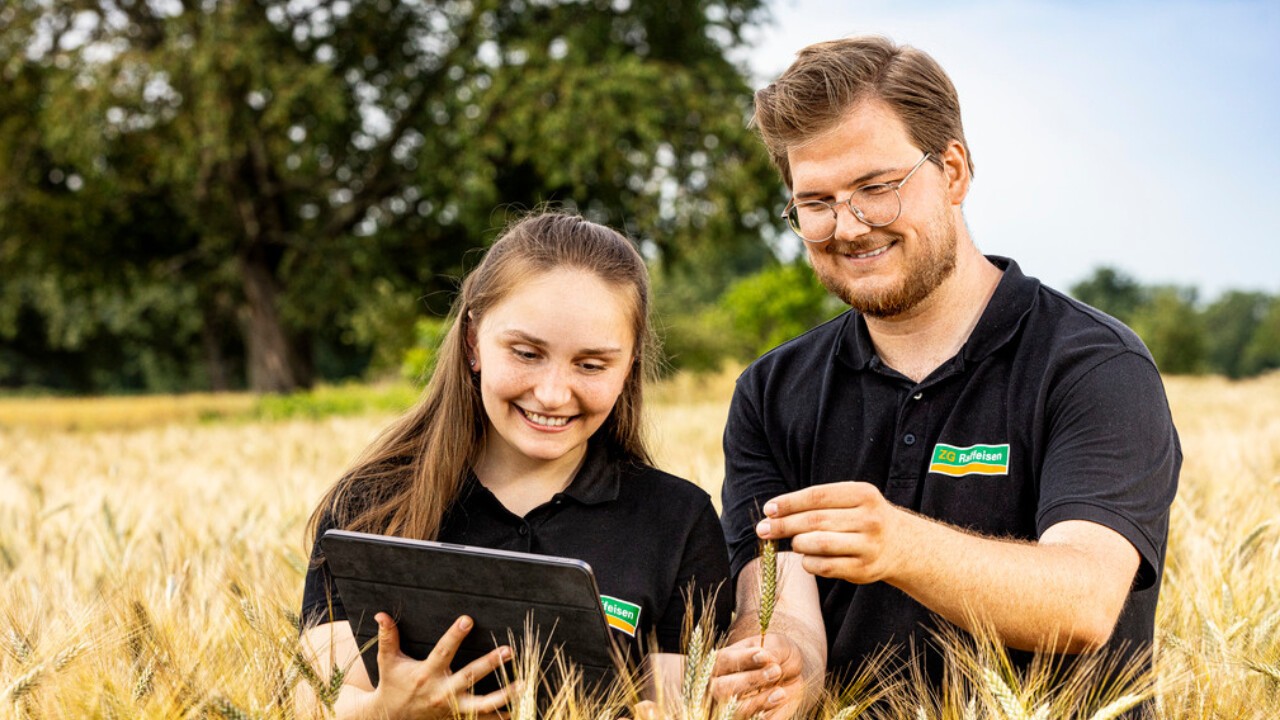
[553, 388]
[848, 226]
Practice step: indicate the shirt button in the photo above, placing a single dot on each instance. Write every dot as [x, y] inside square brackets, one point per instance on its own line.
[917, 396]
[524, 529]
[909, 439]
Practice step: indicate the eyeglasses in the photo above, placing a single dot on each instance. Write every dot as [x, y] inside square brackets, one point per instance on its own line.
[874, 205]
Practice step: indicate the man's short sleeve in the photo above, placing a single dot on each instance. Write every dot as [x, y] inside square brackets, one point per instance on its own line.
[752, 476]
[1113, 457]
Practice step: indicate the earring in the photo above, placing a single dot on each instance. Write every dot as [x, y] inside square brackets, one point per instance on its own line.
[473, 364]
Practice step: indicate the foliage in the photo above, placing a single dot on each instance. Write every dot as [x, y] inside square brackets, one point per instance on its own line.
[754, 314]
[1230, 324]
[774, 305]
[1111, 291]
[334, 400]
[420, 360]
[264, 190]
[1168, 322]
[1237, 335]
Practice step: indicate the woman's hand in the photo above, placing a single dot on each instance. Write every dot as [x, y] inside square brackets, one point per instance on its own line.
[426, 688]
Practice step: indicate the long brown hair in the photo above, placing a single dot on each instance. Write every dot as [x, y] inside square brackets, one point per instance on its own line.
[829, 78]
[403, 483]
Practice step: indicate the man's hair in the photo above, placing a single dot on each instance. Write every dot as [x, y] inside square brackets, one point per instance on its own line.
[828, 79]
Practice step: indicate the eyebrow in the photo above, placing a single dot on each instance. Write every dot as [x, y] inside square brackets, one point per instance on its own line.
[860, 180]
[526, 337]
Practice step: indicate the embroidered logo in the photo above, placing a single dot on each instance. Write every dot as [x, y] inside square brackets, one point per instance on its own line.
[621, 614]
[972, 460]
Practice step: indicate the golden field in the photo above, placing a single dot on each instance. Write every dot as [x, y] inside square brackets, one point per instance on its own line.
[150, 563]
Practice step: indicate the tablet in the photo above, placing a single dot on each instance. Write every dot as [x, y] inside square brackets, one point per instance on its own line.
[426, 585]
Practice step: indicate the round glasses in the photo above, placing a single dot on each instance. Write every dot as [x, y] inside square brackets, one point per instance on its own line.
[874, 205]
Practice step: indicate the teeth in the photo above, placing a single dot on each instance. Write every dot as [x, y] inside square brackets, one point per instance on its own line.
[545, 419]
[873, 253]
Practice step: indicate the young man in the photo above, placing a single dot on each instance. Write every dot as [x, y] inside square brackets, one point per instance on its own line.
[966, 448]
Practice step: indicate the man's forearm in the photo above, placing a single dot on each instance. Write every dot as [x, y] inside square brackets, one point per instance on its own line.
[1060, 596]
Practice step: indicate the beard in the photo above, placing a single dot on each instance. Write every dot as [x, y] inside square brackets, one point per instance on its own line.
[935, 263]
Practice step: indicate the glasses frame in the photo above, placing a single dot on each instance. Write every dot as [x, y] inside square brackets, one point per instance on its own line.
[834, 207]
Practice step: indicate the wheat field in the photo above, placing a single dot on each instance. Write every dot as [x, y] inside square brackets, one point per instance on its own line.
[153, 568]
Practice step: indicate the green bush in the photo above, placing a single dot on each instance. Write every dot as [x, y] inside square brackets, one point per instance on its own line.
[419, 361]
[774, 305]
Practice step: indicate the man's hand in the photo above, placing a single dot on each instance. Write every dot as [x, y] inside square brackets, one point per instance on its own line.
[768, 680]
[841, 530]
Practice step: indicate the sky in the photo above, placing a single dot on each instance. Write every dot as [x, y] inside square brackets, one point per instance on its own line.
[1140, 135]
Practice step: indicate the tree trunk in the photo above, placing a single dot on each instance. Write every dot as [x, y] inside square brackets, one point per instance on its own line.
[215, 362]
[271, 362]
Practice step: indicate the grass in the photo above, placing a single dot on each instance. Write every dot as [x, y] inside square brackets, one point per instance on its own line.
[151, 558]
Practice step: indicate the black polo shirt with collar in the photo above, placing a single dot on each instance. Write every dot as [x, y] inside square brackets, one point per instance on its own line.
[1051, 411]
[651, 538]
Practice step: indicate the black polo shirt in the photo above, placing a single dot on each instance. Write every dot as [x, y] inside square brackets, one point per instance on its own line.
[1051, 411]
[650, 537]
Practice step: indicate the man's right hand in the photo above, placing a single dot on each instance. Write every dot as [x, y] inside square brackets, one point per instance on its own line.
[767, 680]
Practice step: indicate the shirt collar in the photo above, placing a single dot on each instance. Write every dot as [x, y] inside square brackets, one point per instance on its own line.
[1000, 321]
[597, 481]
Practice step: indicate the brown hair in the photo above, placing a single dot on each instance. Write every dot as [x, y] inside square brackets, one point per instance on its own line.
[403, 483]
[828, 79]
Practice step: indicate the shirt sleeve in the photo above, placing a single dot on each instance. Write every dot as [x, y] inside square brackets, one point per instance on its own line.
[751, 477]
[702, 582]
[1113, 458]
[321, 603]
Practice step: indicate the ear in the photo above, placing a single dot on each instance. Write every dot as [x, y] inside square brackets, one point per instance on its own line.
[471, 342]
[955, 165]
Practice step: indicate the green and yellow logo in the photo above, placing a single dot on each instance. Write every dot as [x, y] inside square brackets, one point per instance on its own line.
[621, 614]
[972, 460]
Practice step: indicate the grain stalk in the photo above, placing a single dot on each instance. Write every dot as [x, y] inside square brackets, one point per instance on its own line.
[768, 585]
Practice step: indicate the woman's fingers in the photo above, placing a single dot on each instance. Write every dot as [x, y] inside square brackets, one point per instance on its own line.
[442, 654]
[485, 704]
[473, 671]
[388, 641]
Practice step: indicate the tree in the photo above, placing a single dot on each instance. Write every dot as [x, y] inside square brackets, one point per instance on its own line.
[1111, 291]
[303, 173]
[1262, 354]
[1230, 323]
[1172, 329]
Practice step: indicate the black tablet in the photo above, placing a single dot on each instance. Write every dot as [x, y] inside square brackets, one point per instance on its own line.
[426, 585]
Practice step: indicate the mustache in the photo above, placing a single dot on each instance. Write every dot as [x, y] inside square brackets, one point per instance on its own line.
[866, 243]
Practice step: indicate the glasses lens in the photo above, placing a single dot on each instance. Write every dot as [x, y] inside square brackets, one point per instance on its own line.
[813, 221]
[879, 204]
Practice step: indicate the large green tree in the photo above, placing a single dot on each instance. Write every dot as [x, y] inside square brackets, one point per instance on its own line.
[273, 178]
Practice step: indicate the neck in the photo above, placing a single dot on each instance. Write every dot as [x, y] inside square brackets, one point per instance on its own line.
[520, 482]
[916, 342]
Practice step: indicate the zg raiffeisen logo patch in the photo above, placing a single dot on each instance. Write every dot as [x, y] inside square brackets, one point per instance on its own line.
[972, 460]
[620, 614]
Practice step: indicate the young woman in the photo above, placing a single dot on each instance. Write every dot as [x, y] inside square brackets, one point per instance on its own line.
[528, 437]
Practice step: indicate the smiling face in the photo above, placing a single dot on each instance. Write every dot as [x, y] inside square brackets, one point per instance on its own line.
[553, 357]
[881, 272]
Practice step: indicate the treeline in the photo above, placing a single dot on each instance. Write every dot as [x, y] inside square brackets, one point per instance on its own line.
[261, 194]
[227, 195]
[1236, 335]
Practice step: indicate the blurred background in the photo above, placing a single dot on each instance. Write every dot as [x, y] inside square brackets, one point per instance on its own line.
[265, 195]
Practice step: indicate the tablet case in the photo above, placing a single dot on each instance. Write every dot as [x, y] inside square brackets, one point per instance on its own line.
[426, 585]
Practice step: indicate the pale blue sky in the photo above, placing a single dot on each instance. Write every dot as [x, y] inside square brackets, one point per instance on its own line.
[1141, 135]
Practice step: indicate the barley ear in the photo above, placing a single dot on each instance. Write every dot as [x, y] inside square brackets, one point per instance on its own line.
[768, 584]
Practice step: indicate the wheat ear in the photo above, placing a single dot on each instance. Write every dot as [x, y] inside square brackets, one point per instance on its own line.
[768, 584]
[1118, 708]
